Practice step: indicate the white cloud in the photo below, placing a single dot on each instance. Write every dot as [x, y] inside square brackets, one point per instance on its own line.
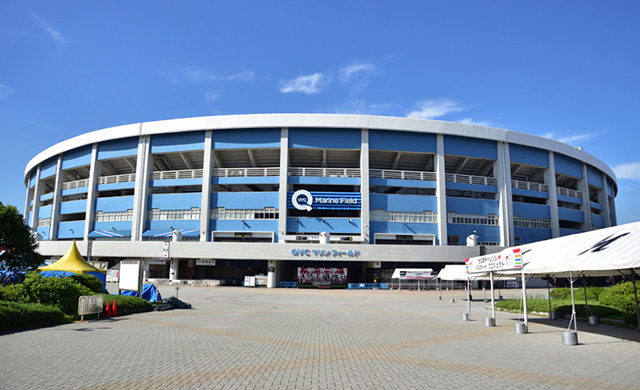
[243, 76]
[571, 139]
[349, 72]
[356, 76]
[470, 121]
[630, 170]
[59, 38]
[194, 75]
[429, 109]
[211, 97]
[306, 84]
[5, 91]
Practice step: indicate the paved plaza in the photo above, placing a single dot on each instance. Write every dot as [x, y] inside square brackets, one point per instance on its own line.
[243, 338]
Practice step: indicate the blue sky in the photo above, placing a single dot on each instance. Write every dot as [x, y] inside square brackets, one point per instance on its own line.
[567, 70]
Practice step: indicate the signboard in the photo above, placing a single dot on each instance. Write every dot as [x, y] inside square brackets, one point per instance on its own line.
[306, 201]
[508, 259]
[413, 274]
[206, 263]
[165, 250]
[130, 275]
[249, 281]
[322, 276]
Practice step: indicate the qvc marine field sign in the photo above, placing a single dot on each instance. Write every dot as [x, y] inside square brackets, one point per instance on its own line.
[505, 260]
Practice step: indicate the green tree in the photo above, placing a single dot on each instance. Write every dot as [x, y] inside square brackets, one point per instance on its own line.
[17, 244]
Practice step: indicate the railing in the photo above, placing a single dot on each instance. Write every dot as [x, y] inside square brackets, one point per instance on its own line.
[527, 185]
[403, 216]
[182, 174]
[569, 192]
[75, 184]
[125, 178]
[189, 214]
[531, 223]
[325, 172]
[401, 175]
[468, 179]
[43, 222]
[245, 172]
[472, 219]
[114, 216]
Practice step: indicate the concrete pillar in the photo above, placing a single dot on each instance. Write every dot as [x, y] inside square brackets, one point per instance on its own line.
[583, 186]
[364, 187]
[605, 201]
[94, 172]
[205, 203]
[441, 191]
[37, 193]
[57, 198]
[173, 270]
[502, 170]
[274, 270]
[284, 174]
[550, 180]
[141, 189]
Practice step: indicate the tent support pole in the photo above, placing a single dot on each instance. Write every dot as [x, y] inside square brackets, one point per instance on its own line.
[587, 311]
[469, 297]
[549, 294]
[524, 299]
[635, 294]
[573, 305]
[493, 303]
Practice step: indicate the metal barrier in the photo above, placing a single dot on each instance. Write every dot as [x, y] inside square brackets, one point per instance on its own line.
[91, 304]
[363, 286]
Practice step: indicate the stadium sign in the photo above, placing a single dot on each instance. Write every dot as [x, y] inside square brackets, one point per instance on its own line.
[306, 201]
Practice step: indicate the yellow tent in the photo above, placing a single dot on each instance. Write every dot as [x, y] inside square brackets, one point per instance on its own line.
[73, 263]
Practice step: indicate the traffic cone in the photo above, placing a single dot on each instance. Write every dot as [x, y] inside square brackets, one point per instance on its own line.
[107, 312]
[114, 311]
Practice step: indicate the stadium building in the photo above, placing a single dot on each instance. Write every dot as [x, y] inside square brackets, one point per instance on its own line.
[224, 197]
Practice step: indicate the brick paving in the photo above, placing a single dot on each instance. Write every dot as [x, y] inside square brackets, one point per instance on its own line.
[241, 338]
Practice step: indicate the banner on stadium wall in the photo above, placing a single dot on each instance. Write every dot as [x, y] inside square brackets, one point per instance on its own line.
[322, 276]
[306, 201]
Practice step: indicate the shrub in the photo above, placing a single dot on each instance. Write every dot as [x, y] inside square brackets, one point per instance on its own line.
[13, 293]
[60, 292]
[90, 281]
[563, 293]
[14, 315]
[621, 297]
[127, 304]
[596, 310]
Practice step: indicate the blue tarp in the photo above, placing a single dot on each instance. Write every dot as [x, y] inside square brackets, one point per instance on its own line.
[64, 274]
[148, 292]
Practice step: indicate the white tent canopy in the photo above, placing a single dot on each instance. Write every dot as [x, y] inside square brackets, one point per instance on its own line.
[596, 253]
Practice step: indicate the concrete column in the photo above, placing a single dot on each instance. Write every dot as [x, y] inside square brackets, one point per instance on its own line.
[141, 189]
[583, 186]
[27, 201]
[284, 174]
[605, 201]
[550, 179]
[502, 169]
[94, 172]
[364, 187]
[274, 269]
[57, 198]
[205, 203]
[441, 191]
[37, 193]
[173, 270]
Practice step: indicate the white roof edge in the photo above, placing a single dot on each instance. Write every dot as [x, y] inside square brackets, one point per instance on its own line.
[314, 120]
